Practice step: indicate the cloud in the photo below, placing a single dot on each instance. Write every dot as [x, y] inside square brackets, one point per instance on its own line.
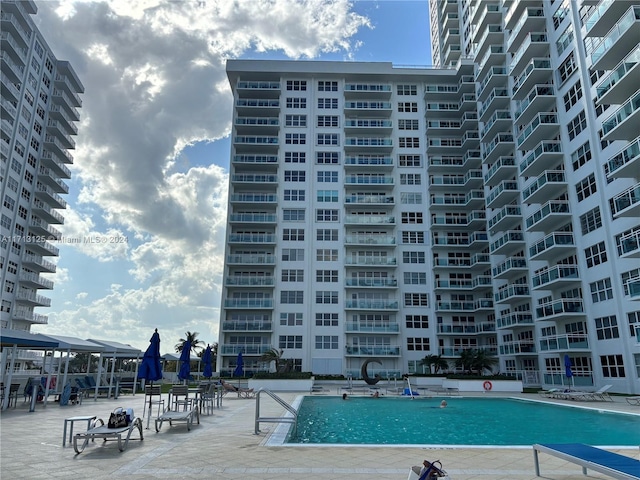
[155, 81]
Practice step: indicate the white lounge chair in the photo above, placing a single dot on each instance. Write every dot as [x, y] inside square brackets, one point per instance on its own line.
[106, 433]
[633, 400]
[185, 416]
[598, 395]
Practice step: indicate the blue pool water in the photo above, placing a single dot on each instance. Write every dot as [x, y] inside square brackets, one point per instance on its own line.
[465, 421]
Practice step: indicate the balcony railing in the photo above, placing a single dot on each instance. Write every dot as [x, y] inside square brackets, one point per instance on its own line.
[240, 326]
[376, 261]
[255, 159]
[370, 219]
[246, 281]
[508, 264]
[375, 351]
[619, 73]
[550, 208]
[534, 64]
[506, 211]
[368, 180]
[533, 37]
[546, 118]
[514, 320]
[252, 238]
[382, 282]
[365, 160]
[248, 303]
[550, 241]
[564, 342]
[628, 109]
[511, 236]
[560, 307]
[259, 85]
[510, 292]
[620, 28]
[557, 272]
[370, 239]
[542, 148]
[629, 242]
[251, 102]
[627, 156]
[549, 176]
[367, 87]
[371, 304]
[372, 328]
[626, 199]
[252, 259]
[253, 217]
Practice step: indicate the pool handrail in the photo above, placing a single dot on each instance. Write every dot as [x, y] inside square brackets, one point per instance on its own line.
[293, 419]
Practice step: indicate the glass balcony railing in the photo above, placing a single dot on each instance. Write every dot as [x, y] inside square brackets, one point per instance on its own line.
[368, 105]
[370, 239]
[505, 186]
[626, 199]
[253, 198]
[258, 121]
[619, 72]
[245, 281]
[629, 242]
[540, 149]
[536, 63]
[497, 115]
[372, 304]
[251, 178]
[256, 140]
[459, 180]
[383, 261]
[500, 163]
[506, 211]
[250, 102]
[514, 319]
[550, 241]
[373, 328]
[259, 85]
[620, 28]
[370, 219]
[497, 140]
[550, 208]
[368, 180]
[546, 118]
[564, 342]
[533, 37]
[494, 71]
[548, 176]
[248, 303]
[368, 160]
[240, 326]
[373, 350]
[252, 238]
[629, 107]
[510, 292]
[536, 92]
[252, 259]
[597, 14]
[253, 217]
[510, 263]
[255, 159]
[368, 123]
[382, 282]
[560, 307]
[366, 87]
[558, 272]
[511, 236]
[368, 142]
[625, 157]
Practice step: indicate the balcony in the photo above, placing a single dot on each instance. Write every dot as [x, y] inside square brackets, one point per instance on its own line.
[537, 71]
[255, 160]
[373, 144]
[380, 240]
[33, 280]
[61, 98]
[495, 55]
[504, 168]
[28, 316]
[50, 178]
[620, 84]
[55, 145]
[629, 244]
[369, 125]
[9, 90]
[251, 198]
[257, 107]
[604, 17]
[11, 45]
[501, 145]
[245, 349]
[509, 216]
[268, 125]
[478, 305]
[510, 267]
[511, 294]
[476, 217]
[543, 155]
[246, 326]
[531, 20]
[495, 77]
[618, 42]
[486, 13]
[371, 282]
[634, 291]
[258, 259]
[364, 90]
[59, 130]
[509, 243]
[49, 196]
[543, 126]
[248, 303]
[361, 304]
[373, 179]
[565, 343]
[47, 213]
[626, 203]
[13, 70]
[500, 121]
[457, 329]
[551, 216]
[258, 89]
[506, 192]
[498, 99]
[523, 347]
[539, 99]
[37, 263]
[249, 281]
[550, 184]
[480, 281]
[535, 45]
[251, 178]
[491, 35]
[553, 246]
[514, 320]
[63, 81]
[256, 143]
[368, 327]
[11, 23]
[473, 178]
[625, 163]
[623, 124]
[372, 108]
[40, 228]
[253, 218]
[27, 297]
[472, 199]
[560, 309]
[558, 276]
[258, 238]
[369, 161]
[377, 199]
[388, 220]
[368, 351]
[59, 113]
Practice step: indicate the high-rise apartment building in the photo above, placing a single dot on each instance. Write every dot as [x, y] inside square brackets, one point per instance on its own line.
[39, 107]
[493, 204]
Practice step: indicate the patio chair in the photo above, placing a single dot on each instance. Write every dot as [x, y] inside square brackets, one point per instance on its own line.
[599, 395]
[14, 389]
[106, 433]
[207, 398]
[180, 398]
[152, 396]
[83, 388]
[241, 392]
[633, 400]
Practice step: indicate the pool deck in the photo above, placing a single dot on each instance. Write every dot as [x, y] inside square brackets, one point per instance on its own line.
[224, 446]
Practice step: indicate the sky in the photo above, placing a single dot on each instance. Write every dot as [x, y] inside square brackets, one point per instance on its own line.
[144, 232]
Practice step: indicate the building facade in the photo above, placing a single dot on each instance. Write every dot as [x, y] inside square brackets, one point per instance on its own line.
[492, 204]
[40, 101]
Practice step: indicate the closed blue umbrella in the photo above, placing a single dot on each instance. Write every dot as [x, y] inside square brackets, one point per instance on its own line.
[185, 361]
[151, 368]
[239, 371]
[207, 360]
[66, 395]
[567, 367]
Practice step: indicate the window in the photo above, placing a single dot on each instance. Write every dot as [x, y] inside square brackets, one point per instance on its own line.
[410, 179]
[19, 149]
[291, 319]
[409, 142]
[407, 107]
[410, 160]
[6, 223]
[327, 255]
[411, 198]
[26, 114]
[295, 157]
[634, 323]
[294, 176]
[293, 234]
[23, 131]
[296, 102]
[31, 160]
[560, 14]
[412, 237]
[48, 65]
[327, 235]
[417, 344]
[327, 276]
[412, 217]
[37, 128]
[295, 120]
[328, 103]
[22, 212]
[572, 96]
[327, 158]
[408, 124]
[578, 124]
[595, 254]
[567, 68]
[9, 202]
[40, 112]
[9, 286]
[327, 177]
[291, 296]
[290, 341]
[293, 214]
[407, 89]
[581, 156]
[416, 300]
[326, 215]
[292, 254]
[627, 277]
[326, 297]
[35, 144]
[44, 97]
[590, 221]
[328, 139]
[326, 342]
[330, 196]
[327, 121]
[292, 275]
[601, 290]
[28, 96]
[294, 195]
[413, 257]
[326, 319]
[415, 278]
[612, 366]
[15, 166]
[586, 187]
[417, 321]
[12, 183]
[295, 138]
[607, 327]
[326, 86]
[297, 85]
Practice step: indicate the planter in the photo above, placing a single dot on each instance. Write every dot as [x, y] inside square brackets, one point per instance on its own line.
[507, 386]
[281, 385]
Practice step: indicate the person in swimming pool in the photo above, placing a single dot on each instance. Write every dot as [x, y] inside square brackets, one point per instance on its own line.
[443, 404]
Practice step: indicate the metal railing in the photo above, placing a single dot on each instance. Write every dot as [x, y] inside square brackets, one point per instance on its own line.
[291, 418]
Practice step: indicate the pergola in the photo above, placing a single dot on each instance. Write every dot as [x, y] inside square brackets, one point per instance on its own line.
[112, 351]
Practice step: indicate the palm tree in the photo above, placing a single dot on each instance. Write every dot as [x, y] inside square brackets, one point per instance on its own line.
[273, 355]
[465, 360]
[436, 361]
[196, 344]
[483, 360]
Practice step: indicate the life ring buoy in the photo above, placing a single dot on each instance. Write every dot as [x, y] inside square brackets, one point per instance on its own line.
[487, 385]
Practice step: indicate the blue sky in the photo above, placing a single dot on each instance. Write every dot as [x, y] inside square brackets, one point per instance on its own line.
[150, 173]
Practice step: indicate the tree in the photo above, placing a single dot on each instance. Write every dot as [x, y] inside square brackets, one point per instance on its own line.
[483, 360]
[196, 344]
[435, 363]
[465, 360]
[273, 355]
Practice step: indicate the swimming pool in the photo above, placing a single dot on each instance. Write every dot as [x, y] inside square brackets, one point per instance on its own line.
[465, 422]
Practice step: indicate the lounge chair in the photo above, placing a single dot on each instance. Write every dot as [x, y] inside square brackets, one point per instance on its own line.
[548, 393]
[242, 392]
[599, 395]
[611, 464]
[106, 433]
[428, 471]
[633, 400]
[171, 416]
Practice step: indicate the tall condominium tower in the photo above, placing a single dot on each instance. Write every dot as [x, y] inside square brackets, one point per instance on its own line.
[493, 204]
[39, 108]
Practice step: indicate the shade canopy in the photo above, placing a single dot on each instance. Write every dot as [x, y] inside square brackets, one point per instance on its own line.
[24, 339]
[117, 349]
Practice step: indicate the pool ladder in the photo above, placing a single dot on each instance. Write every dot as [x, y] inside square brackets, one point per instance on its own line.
[292, 418]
